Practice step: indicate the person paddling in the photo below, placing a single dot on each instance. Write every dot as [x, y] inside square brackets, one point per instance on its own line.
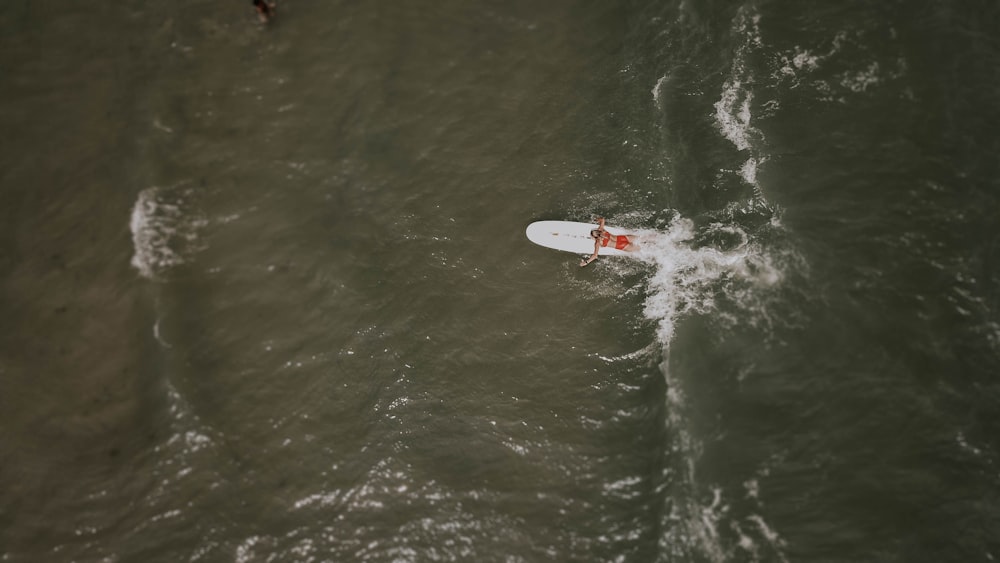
[603, 238]
[265, 10]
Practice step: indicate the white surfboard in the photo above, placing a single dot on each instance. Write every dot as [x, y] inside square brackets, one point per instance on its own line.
[570, 236]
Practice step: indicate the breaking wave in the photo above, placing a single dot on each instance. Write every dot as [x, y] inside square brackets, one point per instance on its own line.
[164, 230]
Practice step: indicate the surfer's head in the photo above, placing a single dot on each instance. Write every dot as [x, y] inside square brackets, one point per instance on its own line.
[595, 233]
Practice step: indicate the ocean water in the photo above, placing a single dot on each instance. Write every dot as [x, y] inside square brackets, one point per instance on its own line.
[266, 293]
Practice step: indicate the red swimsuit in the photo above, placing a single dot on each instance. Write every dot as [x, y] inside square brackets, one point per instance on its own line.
[621, 241]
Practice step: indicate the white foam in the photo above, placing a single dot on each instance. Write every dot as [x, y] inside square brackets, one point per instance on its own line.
[163, 230]
[158, 336]
[749, 171]
[148, 239]
[862, 80]
[799, 61]
[623, 484]
[960, 439]
[797, 65]
[772, 537]
[196, 441]
[684, 274]
[658, 89]
[734, 122]
[732, 111]
[321, 499]
[244, 551]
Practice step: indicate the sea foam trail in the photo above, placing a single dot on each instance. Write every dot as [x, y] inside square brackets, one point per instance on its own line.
[689, 279]
[731, 284]
[685, 274]
[732, 111]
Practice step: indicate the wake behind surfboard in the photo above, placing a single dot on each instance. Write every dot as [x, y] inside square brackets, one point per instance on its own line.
[571, 236]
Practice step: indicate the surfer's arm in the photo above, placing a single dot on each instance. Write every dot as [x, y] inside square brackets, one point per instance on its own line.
[597, 246]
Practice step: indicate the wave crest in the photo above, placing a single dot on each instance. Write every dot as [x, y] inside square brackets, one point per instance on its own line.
[164, 231]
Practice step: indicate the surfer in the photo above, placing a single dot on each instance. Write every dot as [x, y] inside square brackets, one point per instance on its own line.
[265, 10]
[604, 238]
